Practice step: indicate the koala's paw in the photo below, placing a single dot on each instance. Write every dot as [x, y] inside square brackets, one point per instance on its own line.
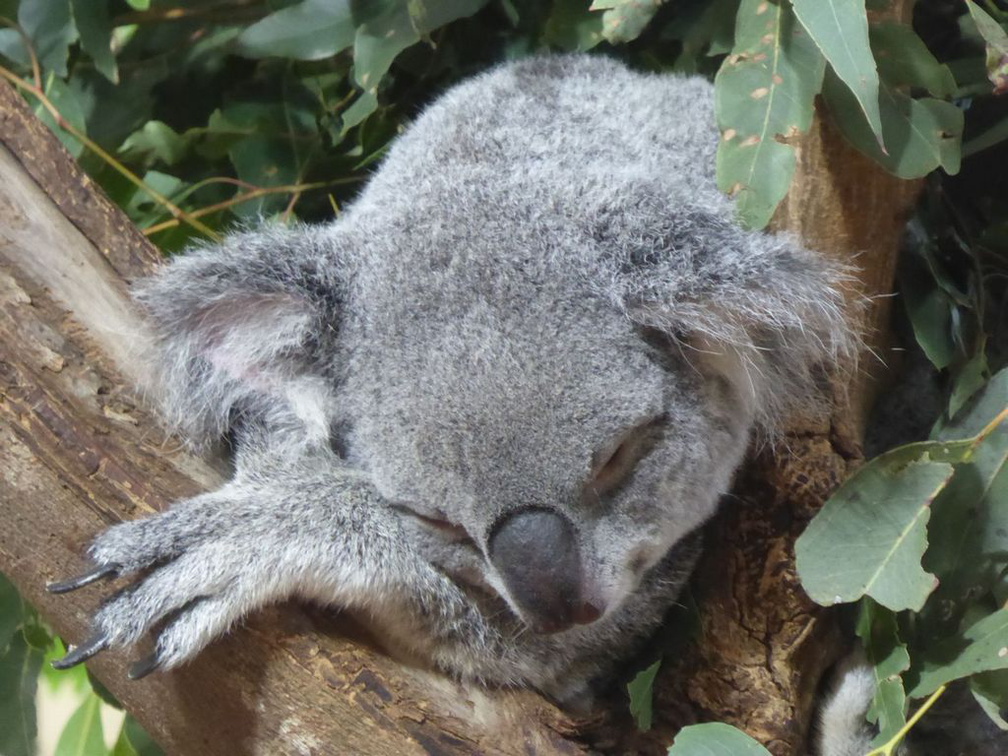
[197, 573]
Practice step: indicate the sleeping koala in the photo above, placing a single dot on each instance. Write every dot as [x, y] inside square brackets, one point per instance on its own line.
[489, 406]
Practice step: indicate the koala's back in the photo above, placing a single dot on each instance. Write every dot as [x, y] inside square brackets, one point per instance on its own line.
[572, 117]
[523, 180]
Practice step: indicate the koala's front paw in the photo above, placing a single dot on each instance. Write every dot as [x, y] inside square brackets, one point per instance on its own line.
[202, 574]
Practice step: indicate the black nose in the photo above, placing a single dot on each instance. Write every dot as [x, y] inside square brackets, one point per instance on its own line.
[537, 554]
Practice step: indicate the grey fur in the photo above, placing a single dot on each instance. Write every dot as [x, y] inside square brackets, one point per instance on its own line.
[542, 265]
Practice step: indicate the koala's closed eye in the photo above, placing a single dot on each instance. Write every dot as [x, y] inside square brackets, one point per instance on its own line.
[614, 464]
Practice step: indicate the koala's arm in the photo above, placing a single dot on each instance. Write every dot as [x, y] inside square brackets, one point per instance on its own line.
[285, 526]
[238, 341]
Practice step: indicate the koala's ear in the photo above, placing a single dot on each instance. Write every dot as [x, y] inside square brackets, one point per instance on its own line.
[759, 304]
[241, 327]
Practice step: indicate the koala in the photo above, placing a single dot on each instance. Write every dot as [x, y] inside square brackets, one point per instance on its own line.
[489, 406]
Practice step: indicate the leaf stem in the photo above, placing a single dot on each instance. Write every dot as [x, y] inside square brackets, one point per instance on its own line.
[94, 147]
[890, 747]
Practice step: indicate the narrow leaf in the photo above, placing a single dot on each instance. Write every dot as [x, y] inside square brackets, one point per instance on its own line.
[983, 647]
[997, 46]
[764, 95]
[840, 29]
[904, 60]
[714, 739]
[310, 30]
[95, 28]
[920, 135]
[19, 672]
[624, 20]
[83, 735]
[50, 27]
[640, 690]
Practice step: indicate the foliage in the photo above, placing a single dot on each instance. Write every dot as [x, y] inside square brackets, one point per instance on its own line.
[26, 647]
[195, 115]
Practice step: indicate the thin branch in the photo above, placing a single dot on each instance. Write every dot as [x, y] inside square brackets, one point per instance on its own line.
[90, 144]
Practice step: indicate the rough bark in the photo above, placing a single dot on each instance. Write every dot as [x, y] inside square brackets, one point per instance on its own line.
[78, 451]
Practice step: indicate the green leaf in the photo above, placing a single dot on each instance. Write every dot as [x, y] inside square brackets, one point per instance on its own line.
[95, 27]
[982, 408]
[840, 29]
[640, 690]
[871, 534]
[19, 672]
[920, 135]
[572, 26]
[969, 534]
[155, 142]
[133, 740]
[996, 40]
[904, 60]
[83, 735]
[50, 27]
[983, 647]
[310, 30]
[10, 612]
[624, 20]
[929, 309]
[971, 378]
[714, 739]
[764, 95]
[382, 37]
[888, 657]
[990, 689]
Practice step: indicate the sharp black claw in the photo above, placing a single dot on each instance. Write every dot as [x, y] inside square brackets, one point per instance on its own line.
[143, 667]
[83, 652]
[98, 573]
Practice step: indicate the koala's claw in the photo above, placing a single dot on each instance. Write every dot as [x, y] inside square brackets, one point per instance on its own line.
[78, 654]
[144, 667]
[101, 572]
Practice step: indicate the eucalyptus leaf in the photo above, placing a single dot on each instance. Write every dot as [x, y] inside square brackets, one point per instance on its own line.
[990, 689]
[133, 740]
[904, 60]
[921, 135]
[82, 735]
[155, 142]
[869, 537]
[624, 20]
[572, 26]
[714, 739]
[840, 29]
[982, 647]
[50, 26]
[887, 655]
[985, 405]
[95, 29]
[10, 612]
[640, 690]
[996, 40]
[764, 94]
[19, 672]
[310, 30]
[380, 39]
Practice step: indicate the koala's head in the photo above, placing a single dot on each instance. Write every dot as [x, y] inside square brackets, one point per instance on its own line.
[553, 452]
[549, 425]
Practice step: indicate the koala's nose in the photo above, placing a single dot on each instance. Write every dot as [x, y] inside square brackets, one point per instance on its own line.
[537, 554]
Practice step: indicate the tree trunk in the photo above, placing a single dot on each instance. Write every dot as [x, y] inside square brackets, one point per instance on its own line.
[79, 451]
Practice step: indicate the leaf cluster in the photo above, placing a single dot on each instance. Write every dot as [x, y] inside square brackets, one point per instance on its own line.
[27, 645]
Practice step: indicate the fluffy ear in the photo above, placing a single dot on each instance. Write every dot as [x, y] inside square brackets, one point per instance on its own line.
[241, 327]
[759, 304]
